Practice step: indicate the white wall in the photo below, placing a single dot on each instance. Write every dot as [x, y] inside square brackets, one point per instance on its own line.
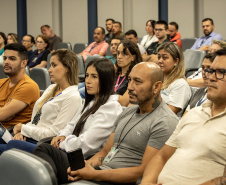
[75, 21]
[8, 16]
[72, 26]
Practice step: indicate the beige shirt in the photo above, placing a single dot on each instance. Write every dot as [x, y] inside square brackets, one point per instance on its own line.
[200, 139]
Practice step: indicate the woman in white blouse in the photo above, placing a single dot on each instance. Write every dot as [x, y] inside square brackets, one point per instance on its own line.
[150, 37]
[58, 104]
[175, 90]
[91, 128]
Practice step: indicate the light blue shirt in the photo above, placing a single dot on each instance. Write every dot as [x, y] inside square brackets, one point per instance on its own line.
[203, 41]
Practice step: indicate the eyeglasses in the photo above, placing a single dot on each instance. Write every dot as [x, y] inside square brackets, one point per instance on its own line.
[26, 41]
[39, 42]
[219, 73]
[160, 30]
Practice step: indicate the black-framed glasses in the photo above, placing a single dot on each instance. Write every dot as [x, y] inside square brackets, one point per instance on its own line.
[219, 73]
[160, 30]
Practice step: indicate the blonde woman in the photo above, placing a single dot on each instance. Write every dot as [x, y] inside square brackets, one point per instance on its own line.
[12, 38]
[59, 103]
[175, 90]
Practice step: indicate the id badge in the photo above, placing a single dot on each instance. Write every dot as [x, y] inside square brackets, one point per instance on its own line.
[111, 154]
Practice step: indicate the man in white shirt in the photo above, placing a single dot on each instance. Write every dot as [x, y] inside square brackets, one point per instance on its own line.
[195, 153]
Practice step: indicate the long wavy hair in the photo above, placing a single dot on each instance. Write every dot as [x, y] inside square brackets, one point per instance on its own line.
[179, 70]
[69, 60]
[106, 75]
[134, 50]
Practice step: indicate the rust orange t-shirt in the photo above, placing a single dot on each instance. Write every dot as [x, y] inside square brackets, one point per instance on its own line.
[26, 90]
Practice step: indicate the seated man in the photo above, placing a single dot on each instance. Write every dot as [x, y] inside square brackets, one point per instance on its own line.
[114, 44]
[204, 42]
[28, 41]
[140, 131]
[54, 40]
[161, 29]
[109, 25]
[116, 31]
[174, 35]
[18, 92]
[195, 80]
[199, 96]
[195, 153]
[132, 36]
[99, 47]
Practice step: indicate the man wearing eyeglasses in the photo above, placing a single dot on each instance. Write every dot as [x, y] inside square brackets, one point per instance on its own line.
[161, 29]
[28, 41]
[195, 153]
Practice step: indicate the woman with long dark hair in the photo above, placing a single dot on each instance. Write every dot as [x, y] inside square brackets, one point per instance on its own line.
[89, 129]
[128, 55]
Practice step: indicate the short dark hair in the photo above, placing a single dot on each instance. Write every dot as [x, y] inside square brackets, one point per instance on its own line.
[174, 24]
[131, 32]
[46, 25]
[110, 19]
[162, 22]
[117, 22]
[208, 19]
[4, 37]
[210, 56]
[22, 51]
[103, 30]
[32, 38]
[221, 52]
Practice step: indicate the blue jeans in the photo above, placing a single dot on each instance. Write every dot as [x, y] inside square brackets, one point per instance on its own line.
[81, 89]
[27, 146]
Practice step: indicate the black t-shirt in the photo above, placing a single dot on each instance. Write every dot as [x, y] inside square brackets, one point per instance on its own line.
[123, 86]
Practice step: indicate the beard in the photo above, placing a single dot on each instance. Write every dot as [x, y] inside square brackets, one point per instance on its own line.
[13, 72]
[142, 99]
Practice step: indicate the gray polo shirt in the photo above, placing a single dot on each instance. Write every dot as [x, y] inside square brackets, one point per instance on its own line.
[152, 129]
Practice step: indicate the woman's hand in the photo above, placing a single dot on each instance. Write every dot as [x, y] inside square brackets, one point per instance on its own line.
[57, 140]
[17, 128]
[19, 136]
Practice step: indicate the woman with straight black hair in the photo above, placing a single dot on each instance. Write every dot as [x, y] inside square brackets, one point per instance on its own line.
[90, 128]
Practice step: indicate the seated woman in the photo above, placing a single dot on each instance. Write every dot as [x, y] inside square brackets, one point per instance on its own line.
[175, 90]
[150, 37]
[128, 55]
[57, 106]
[91, 128]
[39, 56]
[12, 38]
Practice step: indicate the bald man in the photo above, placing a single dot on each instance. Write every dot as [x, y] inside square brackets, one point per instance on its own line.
[140, 132]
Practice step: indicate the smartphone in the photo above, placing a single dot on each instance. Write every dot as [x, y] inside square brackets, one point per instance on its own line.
[76, 159]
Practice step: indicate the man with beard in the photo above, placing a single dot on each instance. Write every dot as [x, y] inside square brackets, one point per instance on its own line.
[99, 47]
[204, 42]
[140, 131]
[18, 92]
[109, 26]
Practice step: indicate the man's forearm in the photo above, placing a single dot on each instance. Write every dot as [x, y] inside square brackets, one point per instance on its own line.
[120, 175]
[196, 82]
[216, 181]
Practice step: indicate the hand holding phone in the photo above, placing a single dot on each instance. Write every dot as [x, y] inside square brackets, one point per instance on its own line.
[76, 159]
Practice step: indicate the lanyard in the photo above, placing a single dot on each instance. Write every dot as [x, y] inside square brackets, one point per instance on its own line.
[149, 38]
[202, 99]
[119, 142]
[38, 114]
[93, 47]
[118, 85]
